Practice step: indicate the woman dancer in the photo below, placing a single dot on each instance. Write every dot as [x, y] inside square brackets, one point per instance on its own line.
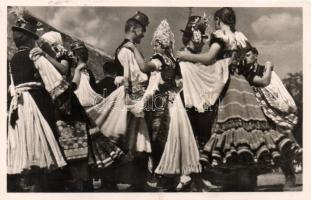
[105, 151]
[241, 136]
[174, 148]
[72, 121]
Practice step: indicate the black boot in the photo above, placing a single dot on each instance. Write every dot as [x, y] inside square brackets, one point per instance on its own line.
[289, 173]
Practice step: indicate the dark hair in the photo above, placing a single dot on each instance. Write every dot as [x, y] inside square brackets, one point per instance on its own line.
[252, 49]
[129, 24]
[227, 16]
[186, 38]
[109, 68]
[22, 39]
[82, 54]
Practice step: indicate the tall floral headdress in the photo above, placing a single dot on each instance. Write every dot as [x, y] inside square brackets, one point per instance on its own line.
[164, 35]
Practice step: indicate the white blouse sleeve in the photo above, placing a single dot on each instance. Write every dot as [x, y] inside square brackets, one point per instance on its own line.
[131, 67]
[157, 63]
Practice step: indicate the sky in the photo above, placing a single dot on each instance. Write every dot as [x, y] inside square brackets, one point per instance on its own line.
[276, 32]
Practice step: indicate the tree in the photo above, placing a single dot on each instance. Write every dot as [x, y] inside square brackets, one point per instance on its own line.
[293, 83]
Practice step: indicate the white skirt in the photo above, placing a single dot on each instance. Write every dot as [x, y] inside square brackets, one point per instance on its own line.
[31, 142]
[181, 154]
[112, 118]
[202, 84]
[86, 95]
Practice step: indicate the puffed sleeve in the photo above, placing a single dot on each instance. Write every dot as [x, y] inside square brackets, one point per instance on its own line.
[219, 38]
[158, 61]
[241, 39]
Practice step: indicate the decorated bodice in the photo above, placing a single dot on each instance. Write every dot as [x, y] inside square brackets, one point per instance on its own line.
[169, 70]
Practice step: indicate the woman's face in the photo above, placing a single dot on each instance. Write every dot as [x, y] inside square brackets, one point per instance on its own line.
[157, 48]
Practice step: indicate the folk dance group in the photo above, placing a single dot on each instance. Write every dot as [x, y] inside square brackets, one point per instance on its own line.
[171, 122]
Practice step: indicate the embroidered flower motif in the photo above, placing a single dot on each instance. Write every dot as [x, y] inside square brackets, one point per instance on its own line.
[197, 36]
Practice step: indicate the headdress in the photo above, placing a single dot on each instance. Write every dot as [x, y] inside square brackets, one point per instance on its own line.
[140, 18]
[198, 26]
[52, 37]
[164, 35]
[25, 22]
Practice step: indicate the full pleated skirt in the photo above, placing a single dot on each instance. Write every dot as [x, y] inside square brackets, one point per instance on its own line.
[241, 133]
[31, 141]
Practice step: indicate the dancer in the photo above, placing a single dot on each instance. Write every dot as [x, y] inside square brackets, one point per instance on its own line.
[277, 104]
[241, 136]
[32, 146]
[175, 152]
[202, 85]
[111, 114]
[72, 122]
[104, 150]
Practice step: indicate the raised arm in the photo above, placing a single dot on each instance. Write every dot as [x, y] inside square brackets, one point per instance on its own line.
[62, 66]
[49, 54]
[206, 58]
[144, 66]
[77, 74]
[266, 78]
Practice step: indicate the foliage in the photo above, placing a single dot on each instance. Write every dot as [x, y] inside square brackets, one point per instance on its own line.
[294, 84]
